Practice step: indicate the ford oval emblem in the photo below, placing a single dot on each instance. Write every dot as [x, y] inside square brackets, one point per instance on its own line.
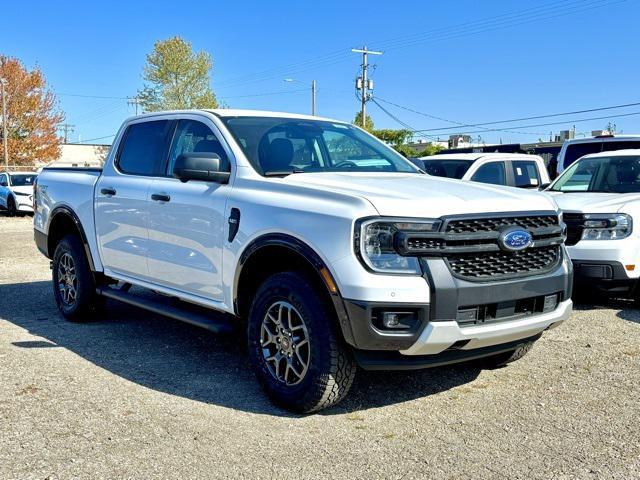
[515, 239]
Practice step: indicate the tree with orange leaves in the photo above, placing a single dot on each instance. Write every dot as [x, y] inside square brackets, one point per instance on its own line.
[33, 116]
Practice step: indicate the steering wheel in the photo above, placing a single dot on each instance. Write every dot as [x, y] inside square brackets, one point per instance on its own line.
[345, 164]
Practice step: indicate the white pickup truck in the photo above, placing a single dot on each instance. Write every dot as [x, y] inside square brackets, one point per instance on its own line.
[332, 249]
[600, 197]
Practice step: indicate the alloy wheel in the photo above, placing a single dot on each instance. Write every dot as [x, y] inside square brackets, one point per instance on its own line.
[67, 280]
[284, 340]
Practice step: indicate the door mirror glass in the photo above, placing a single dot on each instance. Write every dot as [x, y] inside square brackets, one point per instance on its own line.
[203, 166]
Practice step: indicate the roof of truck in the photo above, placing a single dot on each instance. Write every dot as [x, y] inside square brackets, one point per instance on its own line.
[234, 112]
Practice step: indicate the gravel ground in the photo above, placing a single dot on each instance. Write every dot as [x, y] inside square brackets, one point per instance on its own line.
[133, 395]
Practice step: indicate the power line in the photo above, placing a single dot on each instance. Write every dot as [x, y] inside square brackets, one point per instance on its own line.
[265, 94]
[496, 122]
[564, 122]
[89, 96]
[93, 139]
[516, 18]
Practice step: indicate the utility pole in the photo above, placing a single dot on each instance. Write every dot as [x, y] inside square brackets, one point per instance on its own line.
[314, 91]
[67, 128]
[134, 101]
[4, 124]
[363, 83]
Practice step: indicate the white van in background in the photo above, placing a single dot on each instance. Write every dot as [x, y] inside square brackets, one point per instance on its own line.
[576, 148]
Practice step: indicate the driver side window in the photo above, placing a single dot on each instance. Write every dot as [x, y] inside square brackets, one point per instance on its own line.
[194, 136]
[3, 181]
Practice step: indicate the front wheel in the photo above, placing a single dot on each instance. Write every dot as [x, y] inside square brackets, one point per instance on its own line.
[11, 207]
[295, 351]
[502, 359]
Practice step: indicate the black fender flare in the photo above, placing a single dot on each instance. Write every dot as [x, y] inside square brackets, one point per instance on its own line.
[68, 212]
[301, 248]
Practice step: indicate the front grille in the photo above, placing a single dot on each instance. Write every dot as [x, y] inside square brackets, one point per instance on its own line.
[500, 265]
[575, 227]
[474, 225]
[470, 245]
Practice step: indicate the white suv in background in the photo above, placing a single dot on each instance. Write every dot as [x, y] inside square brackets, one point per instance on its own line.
[509, 169]
[16, 192]
[574, 149]
[600, 198]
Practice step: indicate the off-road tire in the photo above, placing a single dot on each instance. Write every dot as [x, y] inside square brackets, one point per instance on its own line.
[87, 302]
[331, 366]
[502, 359]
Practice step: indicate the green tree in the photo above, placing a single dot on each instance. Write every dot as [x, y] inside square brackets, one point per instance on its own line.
[177, 77]
[368, 126]
[393, 137]
[429, 149]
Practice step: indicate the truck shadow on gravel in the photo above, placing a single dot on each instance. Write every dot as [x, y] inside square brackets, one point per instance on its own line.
[628, 310]
[179, 359]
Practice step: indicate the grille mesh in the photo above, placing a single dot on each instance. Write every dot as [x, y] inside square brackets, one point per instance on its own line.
[574, 223]
[496, 265]
[493, 224]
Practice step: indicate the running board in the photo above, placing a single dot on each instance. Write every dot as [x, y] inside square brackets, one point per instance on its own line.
[186, 312]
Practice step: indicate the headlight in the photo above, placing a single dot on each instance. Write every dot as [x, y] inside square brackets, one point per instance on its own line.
[376, 247]
[606, 226]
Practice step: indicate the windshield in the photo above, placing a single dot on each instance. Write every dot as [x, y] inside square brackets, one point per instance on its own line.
[22, 180]
[280, 146]
[447, 168]
[601, 174]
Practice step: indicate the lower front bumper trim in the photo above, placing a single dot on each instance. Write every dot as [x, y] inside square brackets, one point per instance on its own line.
[385, 360]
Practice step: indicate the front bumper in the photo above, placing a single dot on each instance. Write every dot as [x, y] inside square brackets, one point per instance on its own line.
[612, 252]
[24, 203]
[443, 324]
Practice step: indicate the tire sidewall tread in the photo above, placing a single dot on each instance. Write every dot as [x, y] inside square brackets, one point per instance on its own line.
[331, 369]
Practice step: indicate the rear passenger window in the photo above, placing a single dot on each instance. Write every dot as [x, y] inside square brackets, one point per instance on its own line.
[493, 172]
[145, 147]
[525, 174]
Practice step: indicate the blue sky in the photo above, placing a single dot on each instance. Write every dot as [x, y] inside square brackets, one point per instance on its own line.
[464, 61]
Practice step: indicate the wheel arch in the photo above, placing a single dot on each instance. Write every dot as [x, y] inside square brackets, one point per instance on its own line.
[63, 221]
[278, 252]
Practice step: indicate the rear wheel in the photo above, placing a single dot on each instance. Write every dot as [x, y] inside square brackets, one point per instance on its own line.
[295, 351]
[74, 288]
[11, 207]
[502, 359]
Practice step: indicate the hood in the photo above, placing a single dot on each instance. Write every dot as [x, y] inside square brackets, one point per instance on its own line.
[417, 195]
[594, 202]
[28, 189]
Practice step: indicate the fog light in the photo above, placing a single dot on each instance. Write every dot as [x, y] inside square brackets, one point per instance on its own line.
[398, 320]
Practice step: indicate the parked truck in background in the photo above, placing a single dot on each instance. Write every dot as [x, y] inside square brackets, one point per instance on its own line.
[328, 247]
[600, 198]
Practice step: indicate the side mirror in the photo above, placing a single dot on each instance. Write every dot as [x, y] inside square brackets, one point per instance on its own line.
[203, 166]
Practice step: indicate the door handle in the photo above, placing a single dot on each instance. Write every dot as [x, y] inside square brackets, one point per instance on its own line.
[160, 197]
[109, 192]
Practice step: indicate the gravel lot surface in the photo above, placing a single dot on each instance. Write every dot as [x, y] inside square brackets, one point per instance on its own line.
[133, 395]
